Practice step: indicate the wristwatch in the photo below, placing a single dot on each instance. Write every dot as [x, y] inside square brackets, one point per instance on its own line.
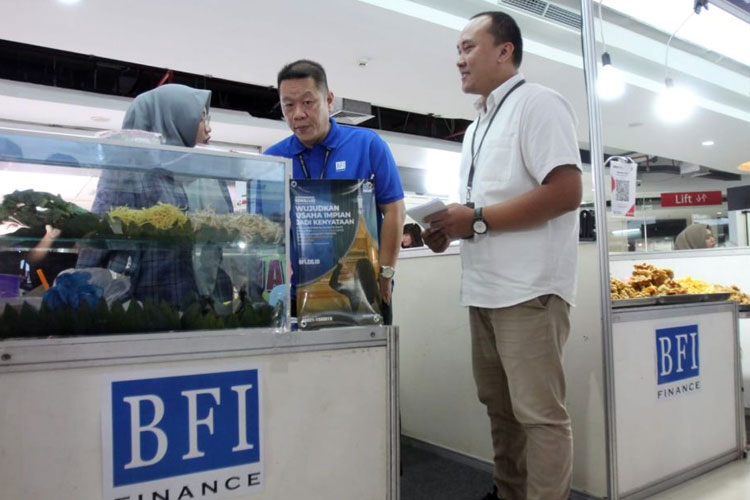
[480, 225]
[387, 272]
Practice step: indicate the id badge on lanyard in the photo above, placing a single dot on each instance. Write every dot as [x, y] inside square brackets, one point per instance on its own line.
[306, 172]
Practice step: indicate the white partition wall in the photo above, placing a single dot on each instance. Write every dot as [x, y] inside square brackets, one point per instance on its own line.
[585, 379]
[439, 404]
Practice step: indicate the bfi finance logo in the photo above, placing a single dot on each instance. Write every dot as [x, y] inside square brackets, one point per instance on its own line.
[677, 361]
[192, 435]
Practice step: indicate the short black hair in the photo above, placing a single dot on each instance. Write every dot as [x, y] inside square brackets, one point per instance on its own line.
[304, 68]
[503, 28]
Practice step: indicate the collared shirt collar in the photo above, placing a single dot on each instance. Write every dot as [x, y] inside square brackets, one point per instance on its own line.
[486, 106]
[331, 139]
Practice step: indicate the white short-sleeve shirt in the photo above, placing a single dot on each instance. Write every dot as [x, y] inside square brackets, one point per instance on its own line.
[532, 134]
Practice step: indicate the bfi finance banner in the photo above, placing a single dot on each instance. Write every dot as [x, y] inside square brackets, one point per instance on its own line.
[335, 253]
[182, 434]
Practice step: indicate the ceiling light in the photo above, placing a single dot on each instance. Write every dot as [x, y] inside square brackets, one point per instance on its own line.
[674, 104]
[745, 167]
[707, 143]
[610, 83]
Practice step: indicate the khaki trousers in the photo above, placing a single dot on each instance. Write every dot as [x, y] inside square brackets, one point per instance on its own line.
[517, 358]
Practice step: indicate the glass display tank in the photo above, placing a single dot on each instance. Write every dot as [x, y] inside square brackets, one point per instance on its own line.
[121, 234]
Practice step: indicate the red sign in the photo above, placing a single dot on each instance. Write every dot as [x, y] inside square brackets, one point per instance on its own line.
[691, 199]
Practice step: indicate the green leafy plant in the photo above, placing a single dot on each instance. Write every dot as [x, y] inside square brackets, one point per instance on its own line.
[27, 321]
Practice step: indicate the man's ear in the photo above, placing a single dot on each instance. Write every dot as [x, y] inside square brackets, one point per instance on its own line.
[329, 100]
[506, 52]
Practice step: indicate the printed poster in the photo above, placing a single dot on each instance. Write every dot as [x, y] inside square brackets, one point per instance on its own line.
[335, 253]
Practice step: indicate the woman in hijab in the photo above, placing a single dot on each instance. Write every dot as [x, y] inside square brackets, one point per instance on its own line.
[180, 114]
[695, 236]
[158, 272]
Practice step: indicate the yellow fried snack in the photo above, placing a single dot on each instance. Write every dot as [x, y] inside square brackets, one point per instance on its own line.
[699, 286]
[646, 280]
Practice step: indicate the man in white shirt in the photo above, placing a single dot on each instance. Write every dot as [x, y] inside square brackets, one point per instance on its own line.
[521, 188]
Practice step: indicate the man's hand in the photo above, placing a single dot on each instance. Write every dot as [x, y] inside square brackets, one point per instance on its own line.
[51, 233]
[455, 221]
[436, 240]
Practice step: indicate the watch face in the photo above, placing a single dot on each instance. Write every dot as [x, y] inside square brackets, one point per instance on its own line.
[387, 272]
[480, 227]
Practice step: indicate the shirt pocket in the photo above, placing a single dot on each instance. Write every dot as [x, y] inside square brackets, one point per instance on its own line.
[496, 159]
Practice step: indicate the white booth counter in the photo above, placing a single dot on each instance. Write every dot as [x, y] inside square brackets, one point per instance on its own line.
[319, 419]
[677, 393]
[745, 358]
[211, 396]
[439, 404]
[719, 266]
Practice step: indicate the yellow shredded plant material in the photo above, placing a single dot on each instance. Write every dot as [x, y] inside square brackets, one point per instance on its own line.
[251, 227]
[161, 216]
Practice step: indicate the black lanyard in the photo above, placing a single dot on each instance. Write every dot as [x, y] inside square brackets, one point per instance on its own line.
[470, 180]
[306, 172]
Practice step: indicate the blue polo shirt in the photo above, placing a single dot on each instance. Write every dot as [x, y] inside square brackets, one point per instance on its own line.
[345, 153]
[353, 153]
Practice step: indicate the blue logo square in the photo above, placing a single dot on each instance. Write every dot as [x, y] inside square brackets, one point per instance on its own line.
[172, 426]
[677, 353]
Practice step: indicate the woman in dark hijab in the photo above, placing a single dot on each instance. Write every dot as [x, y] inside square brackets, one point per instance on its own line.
[181, 115]
[158, 272]
[177, 112]
[695, 236]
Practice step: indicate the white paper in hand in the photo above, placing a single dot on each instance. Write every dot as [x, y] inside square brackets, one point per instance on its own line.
[419, 212]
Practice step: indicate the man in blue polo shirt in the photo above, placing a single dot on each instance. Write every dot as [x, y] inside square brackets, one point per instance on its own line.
[322, 149]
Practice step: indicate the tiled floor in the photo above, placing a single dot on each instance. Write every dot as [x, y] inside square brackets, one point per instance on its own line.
[730, 482]
[428, 475]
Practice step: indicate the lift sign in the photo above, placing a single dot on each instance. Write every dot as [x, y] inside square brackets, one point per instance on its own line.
[677, 352]
[191, 435]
